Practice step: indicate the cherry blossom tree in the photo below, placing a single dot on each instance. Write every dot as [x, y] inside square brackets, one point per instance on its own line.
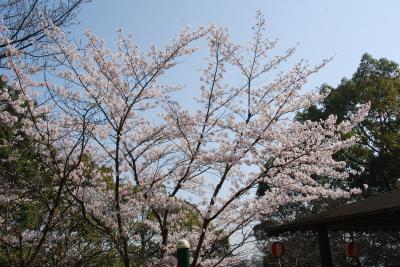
[21, 19]
[175, 172]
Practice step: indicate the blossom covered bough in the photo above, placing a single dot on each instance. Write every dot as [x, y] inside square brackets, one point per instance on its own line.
[128, 156]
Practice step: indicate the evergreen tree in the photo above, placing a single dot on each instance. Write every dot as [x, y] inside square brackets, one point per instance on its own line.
[375, 158]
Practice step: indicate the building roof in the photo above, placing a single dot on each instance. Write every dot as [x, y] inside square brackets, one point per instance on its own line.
[380, 212]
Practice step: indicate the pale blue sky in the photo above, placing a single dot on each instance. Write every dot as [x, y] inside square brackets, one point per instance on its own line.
[344, 29]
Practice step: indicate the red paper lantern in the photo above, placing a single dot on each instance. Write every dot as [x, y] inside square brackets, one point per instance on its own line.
[352, 249]
[277, 249]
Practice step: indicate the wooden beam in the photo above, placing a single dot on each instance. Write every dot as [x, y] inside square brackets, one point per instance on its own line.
[324, 247]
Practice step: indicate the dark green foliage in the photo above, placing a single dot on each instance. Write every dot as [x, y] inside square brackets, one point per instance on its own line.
[377, 155]
[376, 158]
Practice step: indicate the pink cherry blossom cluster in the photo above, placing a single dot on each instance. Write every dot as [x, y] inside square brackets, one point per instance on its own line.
[186, 173]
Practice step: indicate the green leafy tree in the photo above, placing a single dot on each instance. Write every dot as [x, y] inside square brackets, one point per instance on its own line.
[375, 158]
[28, 192]
[377, 155]
[25, 183]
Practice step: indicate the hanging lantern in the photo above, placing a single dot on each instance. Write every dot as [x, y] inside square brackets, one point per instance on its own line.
[352, 249]
[277, 249]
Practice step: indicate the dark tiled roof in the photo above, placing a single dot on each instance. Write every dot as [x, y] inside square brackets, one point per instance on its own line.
[380, 212]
